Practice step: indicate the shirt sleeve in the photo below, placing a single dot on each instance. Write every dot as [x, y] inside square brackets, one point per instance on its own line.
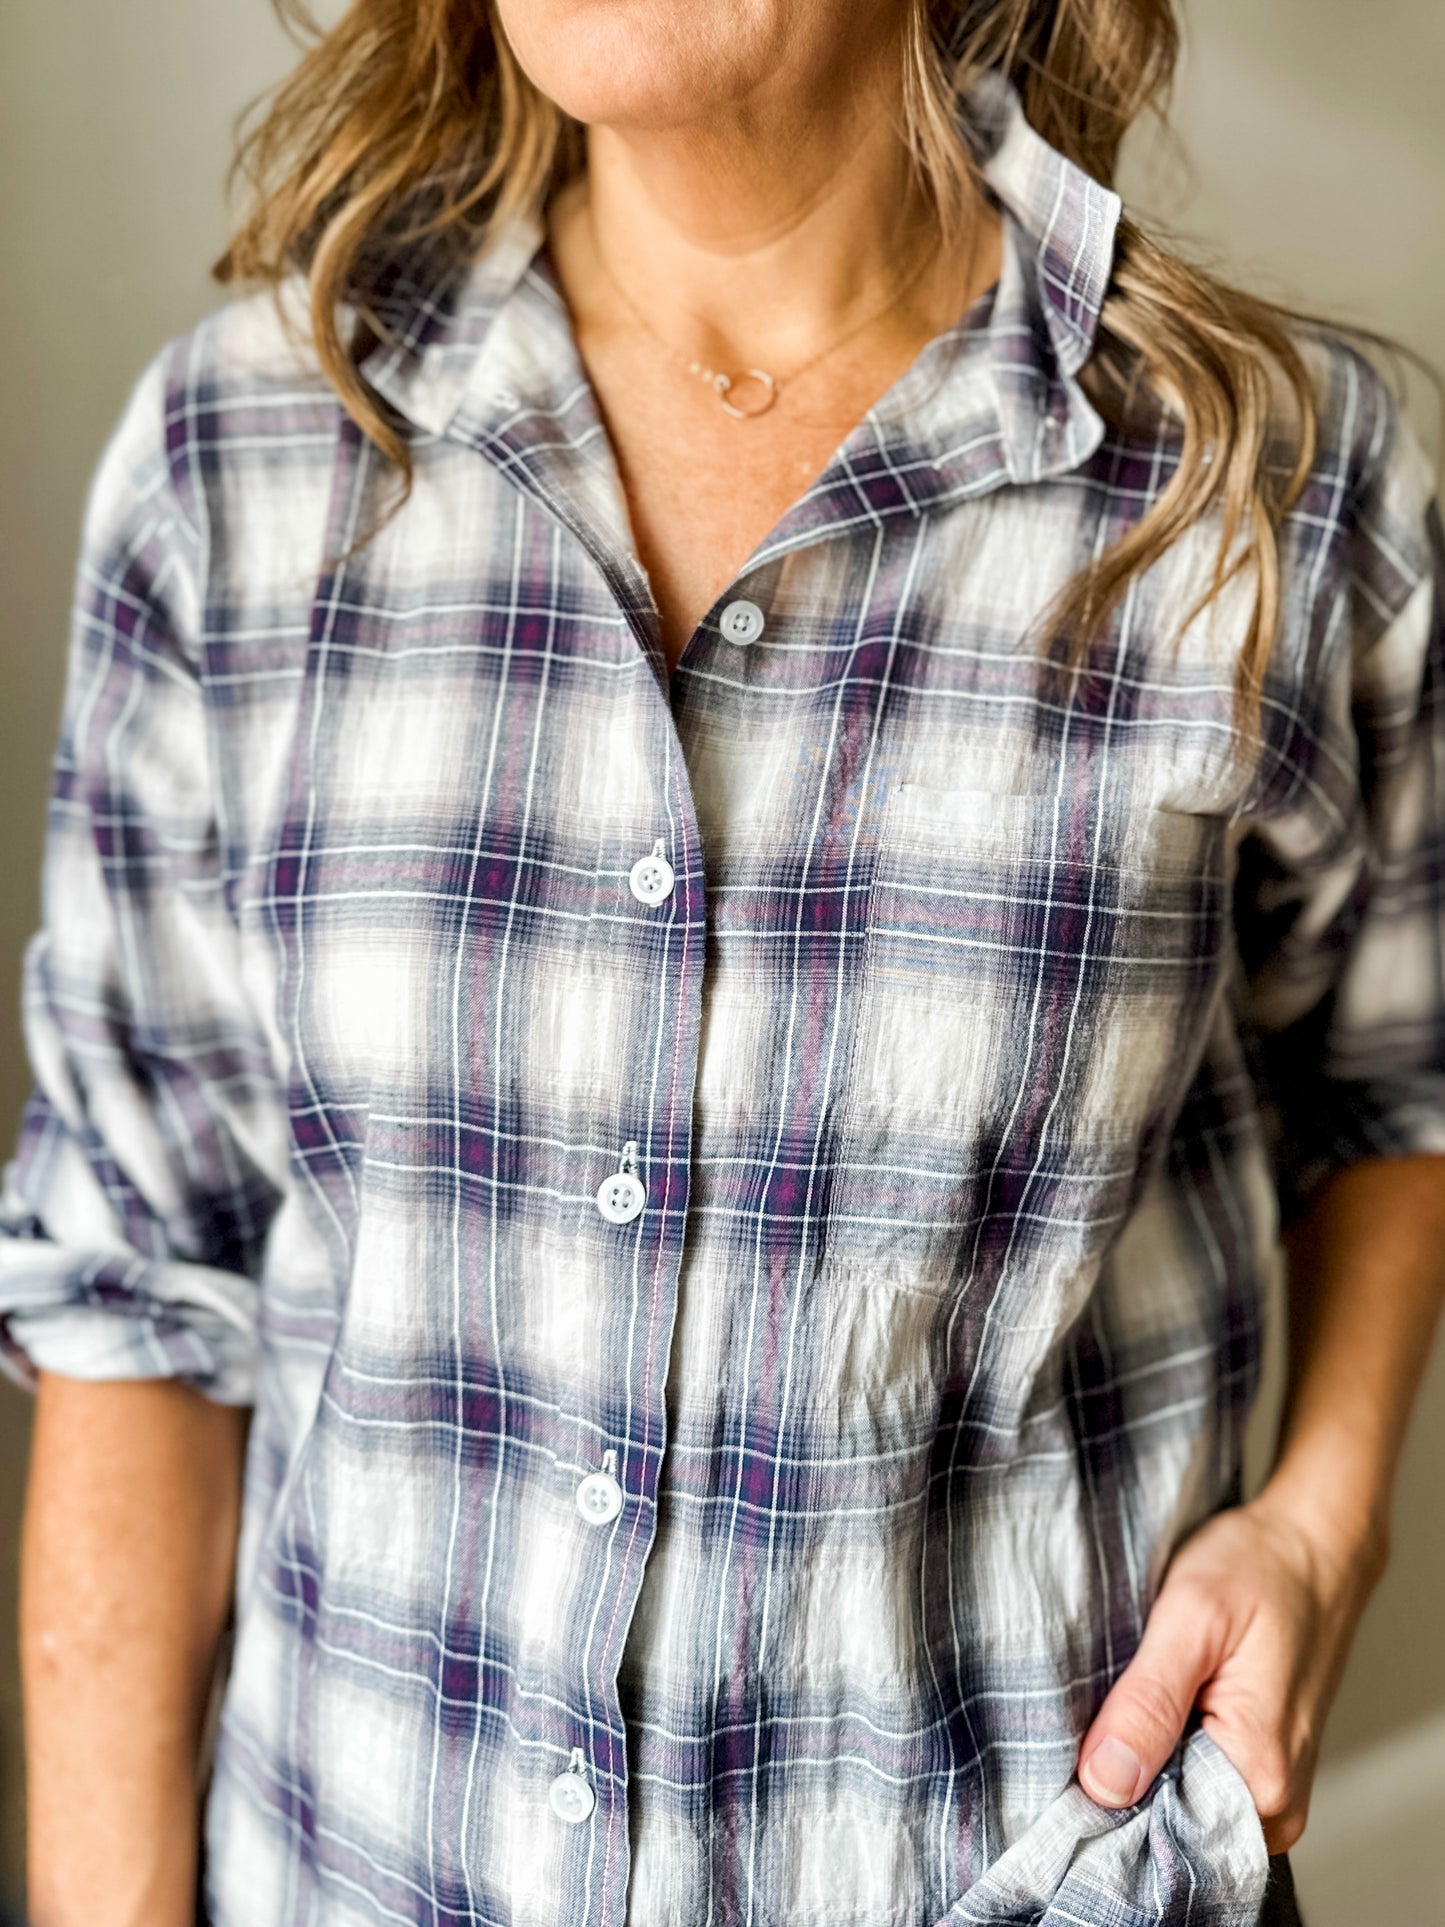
[1341, 888]
[153, 1150]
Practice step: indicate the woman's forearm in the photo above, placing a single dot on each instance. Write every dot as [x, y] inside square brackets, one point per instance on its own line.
[1367, 1278]
[126, 1571]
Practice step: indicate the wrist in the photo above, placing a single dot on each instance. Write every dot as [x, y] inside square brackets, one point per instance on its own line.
[1339, 1511]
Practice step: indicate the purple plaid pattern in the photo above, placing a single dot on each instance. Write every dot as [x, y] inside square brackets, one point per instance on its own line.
[992, 1011]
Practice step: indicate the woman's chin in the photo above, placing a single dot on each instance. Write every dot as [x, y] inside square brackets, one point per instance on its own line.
[643, 64]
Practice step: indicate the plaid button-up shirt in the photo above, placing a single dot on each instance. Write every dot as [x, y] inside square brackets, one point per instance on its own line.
[745, 1203]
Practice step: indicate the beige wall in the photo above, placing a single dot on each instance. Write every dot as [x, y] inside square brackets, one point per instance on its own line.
[1312, 132]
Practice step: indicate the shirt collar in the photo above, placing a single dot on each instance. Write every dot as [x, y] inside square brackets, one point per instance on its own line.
[487, 356]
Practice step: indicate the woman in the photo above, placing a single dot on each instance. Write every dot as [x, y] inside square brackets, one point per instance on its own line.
[731, 832]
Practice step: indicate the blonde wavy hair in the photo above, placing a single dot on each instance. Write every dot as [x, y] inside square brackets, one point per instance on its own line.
[409, 128]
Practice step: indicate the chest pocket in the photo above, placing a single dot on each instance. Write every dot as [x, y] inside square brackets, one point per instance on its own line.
[1034, 987]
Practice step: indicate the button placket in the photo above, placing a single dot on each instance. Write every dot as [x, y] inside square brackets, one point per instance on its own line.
[620, 1196]
[599, 1496]
[570, 1794]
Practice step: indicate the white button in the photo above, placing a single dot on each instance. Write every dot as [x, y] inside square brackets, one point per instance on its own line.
[742, 622]
[571, 1797]
[620, 1197]
[599, 1496]
[651, 878]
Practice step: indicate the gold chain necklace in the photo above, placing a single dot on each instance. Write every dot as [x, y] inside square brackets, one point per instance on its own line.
[765, 387]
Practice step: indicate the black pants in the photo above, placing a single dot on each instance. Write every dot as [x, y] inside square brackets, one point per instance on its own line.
[1280, 1907]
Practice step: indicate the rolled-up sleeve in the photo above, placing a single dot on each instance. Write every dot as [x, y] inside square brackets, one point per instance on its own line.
[152, 1153]
[1341, 895]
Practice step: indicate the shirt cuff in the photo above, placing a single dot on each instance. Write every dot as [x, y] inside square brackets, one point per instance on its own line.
[1338, 1123]
[123, 1317]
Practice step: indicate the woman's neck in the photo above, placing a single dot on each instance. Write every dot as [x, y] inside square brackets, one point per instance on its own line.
[773, 235]
[765, 232]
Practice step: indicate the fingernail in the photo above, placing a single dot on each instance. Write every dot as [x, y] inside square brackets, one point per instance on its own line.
[1111, 1772]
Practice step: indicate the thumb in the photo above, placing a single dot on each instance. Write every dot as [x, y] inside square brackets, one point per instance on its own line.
[1139, 1724]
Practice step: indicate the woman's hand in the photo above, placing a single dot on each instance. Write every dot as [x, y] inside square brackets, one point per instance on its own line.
[1252, 1625]
[1257, 1610]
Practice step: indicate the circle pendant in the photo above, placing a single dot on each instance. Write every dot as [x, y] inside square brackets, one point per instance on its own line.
[759, 389]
